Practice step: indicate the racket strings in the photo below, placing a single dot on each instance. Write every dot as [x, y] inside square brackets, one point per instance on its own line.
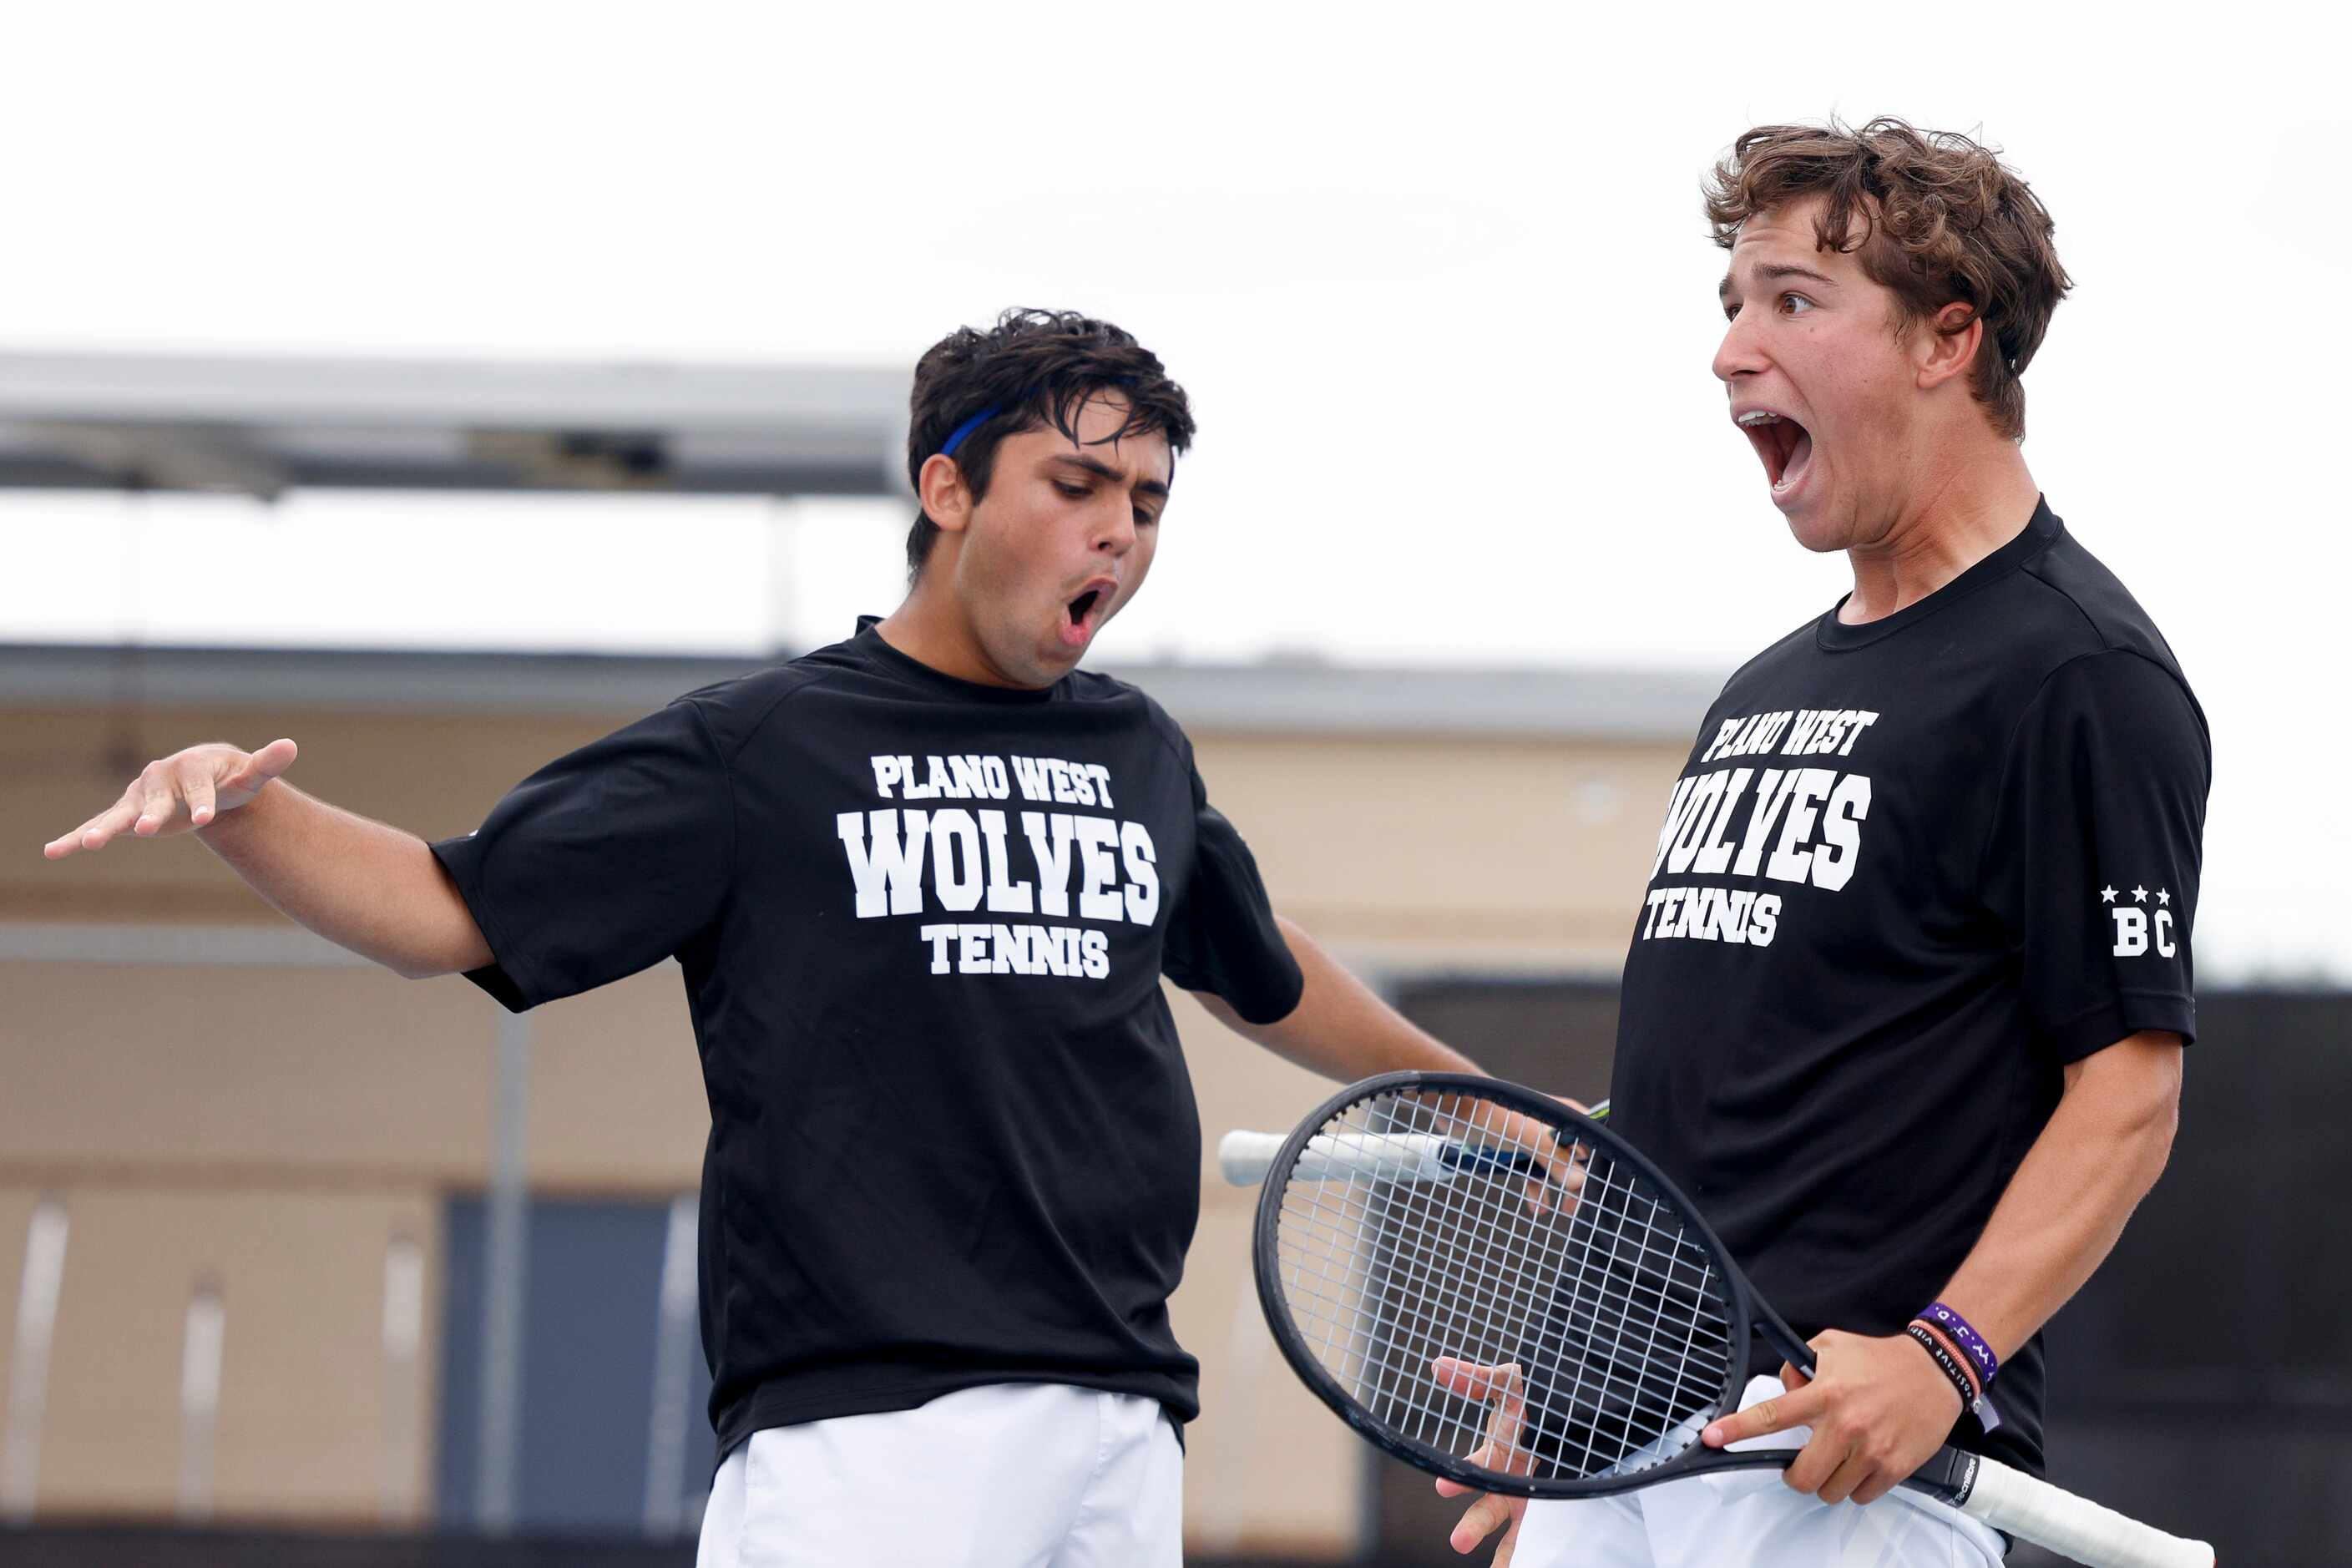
[1392, 1257]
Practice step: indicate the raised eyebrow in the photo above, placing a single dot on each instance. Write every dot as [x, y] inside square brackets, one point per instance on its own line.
[1101, 469]
[1773, 273]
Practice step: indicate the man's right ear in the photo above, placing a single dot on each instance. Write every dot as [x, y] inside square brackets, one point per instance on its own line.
[947, 500]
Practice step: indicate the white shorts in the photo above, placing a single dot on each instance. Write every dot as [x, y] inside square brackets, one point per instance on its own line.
[1749, 1518]
[1011, 1475]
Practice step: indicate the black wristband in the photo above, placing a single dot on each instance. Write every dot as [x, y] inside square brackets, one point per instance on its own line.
[1949, 1363]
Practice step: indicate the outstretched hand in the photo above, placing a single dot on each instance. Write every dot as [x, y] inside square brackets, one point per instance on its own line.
[180, 794]
[1506, 1391]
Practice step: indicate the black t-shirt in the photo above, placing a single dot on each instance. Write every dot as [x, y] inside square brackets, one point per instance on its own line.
[1913, 869]
[922, 924]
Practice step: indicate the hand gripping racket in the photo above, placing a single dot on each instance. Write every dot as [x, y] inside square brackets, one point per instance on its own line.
[1400, 1223]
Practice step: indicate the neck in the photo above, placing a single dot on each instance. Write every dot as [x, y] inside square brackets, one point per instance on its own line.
[930, 627]
[1970, 509]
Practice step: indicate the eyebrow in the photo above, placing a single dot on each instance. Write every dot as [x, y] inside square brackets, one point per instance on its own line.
[1101, 469]
[1772, 272]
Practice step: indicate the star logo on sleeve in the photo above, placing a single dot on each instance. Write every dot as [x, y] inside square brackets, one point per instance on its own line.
[2107, 895]
[2139, 895]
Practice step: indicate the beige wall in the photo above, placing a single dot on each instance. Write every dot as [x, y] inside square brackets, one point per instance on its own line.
[305, 1420]
[274, 1127]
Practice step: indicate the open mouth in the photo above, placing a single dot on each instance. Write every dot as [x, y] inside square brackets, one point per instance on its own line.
[1082, 612]
[1785, 446]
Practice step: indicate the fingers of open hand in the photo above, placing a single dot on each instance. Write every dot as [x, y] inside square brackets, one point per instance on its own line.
[1504, 1389]
[1563, 1178]
[118, 819]
[94, 833]
[159, 799]
[1482, 1519]
[1509, 1547]
[1486, 1455]
[1472, 1381]
[188, 789]
[195, 782]
[262, 766]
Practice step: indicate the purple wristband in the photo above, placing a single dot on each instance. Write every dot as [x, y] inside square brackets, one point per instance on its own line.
[1967, 1338]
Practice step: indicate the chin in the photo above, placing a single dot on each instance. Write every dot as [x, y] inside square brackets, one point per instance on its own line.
[1820, 541]
[1812, 527]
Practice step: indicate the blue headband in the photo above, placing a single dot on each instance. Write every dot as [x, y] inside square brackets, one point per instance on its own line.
[948, 447]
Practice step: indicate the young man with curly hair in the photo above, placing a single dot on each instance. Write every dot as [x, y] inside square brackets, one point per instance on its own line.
[923, 884]
[1907, 999]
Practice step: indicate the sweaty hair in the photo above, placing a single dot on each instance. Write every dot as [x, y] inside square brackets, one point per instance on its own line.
[1931, 214]
[1035, 368]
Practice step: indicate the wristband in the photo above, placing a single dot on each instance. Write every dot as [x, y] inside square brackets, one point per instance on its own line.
[1952, 1368]
[1971, 1342]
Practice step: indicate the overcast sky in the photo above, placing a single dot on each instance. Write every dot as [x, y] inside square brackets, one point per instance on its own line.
[1440, 291]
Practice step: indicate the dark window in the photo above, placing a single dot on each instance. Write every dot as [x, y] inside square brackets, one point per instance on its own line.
[591, 1320]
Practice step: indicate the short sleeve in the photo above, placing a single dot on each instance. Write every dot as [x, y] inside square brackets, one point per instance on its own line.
[1222, 937]
[602, 863]
[2092, 860]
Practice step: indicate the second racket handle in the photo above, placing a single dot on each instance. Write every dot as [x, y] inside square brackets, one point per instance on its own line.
[1243, 1158]
[2011, 1500]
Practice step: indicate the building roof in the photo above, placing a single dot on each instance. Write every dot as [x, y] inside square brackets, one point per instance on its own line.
[261, 426]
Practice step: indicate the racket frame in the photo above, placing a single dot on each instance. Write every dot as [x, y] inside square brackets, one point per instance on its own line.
[1949, 1477]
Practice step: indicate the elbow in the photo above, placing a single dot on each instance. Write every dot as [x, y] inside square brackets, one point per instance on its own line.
[2165, 1126]
[2130, 1095]
[2159, 1113]
[461, 955]
[2150, 1118]
[2151, 1139]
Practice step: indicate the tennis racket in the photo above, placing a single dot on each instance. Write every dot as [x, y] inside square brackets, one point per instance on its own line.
[1397, 1225]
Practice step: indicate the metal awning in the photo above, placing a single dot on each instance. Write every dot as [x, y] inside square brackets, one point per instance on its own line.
[260, 426]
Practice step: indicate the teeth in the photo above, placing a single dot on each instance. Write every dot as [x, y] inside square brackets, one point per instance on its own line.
[1760, 417]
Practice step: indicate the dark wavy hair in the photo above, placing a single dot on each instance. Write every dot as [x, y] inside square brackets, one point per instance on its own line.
[1932, 215]
[1035, 368]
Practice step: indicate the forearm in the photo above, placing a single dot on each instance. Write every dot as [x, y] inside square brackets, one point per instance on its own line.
[1340, 1028]
[361, 884]
[2103, 1149]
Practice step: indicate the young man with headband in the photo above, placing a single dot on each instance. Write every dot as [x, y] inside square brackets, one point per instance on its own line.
[1905, 1003]
[923, 884]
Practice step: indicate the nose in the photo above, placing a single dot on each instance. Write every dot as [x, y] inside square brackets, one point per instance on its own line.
[1738, 354]
[1114, 530]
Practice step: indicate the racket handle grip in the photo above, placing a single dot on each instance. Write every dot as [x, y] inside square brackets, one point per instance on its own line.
[2008, 1498]
[1243, 1158]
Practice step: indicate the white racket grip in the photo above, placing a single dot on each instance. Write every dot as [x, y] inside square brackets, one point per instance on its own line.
[2030, 1510]
[1245, 1157]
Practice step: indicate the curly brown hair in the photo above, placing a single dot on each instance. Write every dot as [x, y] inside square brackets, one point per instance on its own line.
[1933, 215]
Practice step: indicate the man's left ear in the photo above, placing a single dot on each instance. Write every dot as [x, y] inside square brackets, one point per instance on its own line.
[1944, 354]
